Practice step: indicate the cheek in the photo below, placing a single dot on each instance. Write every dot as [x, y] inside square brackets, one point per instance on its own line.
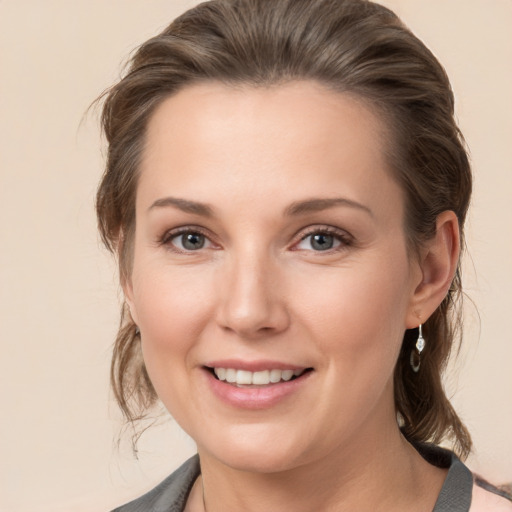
[172, 308]
[358, 314]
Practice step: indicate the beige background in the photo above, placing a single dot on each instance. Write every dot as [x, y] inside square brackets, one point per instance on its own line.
[58, 291]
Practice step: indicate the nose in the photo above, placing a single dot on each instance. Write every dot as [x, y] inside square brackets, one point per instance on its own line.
[253, 301]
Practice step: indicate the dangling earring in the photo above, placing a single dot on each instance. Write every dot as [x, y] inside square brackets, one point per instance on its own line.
[416, 354]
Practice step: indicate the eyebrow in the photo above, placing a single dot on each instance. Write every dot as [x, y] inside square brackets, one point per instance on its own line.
[295, 209]
[184, 205]
[318, 205]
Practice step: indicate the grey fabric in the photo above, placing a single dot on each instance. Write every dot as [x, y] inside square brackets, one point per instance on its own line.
[171, 495]
[457, 489]
[455, 495]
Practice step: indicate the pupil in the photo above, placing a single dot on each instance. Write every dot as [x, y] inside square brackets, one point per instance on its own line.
[192, 241]
[322, 242]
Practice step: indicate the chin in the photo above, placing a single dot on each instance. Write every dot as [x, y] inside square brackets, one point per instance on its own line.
[262, 461]
[255, 451]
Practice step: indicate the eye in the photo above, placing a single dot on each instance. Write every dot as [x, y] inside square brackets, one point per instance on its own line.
[188, 240]
[323, 240]
[318, 242]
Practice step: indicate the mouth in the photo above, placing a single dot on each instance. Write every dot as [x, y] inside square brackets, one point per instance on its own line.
[263, 378]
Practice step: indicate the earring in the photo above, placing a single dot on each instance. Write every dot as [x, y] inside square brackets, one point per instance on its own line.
[416, 354]
[137, 331]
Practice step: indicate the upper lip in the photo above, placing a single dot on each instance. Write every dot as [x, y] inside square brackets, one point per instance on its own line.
[254, 366]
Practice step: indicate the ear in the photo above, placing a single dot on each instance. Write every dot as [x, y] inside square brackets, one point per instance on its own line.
[438, 263]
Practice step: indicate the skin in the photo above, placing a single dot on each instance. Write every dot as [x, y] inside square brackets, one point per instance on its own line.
[258, 289]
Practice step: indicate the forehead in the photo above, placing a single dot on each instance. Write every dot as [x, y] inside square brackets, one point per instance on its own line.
[259, 140]
[302, 109]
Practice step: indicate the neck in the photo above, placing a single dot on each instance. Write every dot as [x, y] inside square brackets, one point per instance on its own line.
[376, 470]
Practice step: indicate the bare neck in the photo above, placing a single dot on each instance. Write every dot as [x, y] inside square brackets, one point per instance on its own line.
[377, 471]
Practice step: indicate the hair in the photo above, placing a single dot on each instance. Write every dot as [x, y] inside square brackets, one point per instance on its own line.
[352, 46]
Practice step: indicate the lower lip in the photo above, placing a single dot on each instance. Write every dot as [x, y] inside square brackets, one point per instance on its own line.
[255, 398]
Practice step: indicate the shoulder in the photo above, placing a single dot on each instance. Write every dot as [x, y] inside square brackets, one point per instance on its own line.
[484, 500]
[463, 491]
[169, 495]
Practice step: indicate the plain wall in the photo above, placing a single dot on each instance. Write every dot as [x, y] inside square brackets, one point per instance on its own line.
[59, 296]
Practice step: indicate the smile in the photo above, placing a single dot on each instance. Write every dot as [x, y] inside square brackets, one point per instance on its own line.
[255, 385]
[259, 378]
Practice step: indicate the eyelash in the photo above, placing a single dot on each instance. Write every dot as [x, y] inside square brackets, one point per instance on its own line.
[345, 239]
[168, 236]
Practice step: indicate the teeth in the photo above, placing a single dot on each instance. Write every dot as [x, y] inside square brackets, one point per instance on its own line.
[261, 378]
[275, 375]
[243, 377]
[287, 374]
[221, 373]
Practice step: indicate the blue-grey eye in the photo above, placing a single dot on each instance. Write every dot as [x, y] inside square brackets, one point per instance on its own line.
[322, 242]
[192, 241]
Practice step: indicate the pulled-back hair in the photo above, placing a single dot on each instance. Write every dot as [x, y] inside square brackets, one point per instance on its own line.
[351, 46]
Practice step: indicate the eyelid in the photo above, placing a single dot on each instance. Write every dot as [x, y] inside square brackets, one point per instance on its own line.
[343, 236]
[166, 238]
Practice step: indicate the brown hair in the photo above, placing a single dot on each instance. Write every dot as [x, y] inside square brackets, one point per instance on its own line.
[352, 46]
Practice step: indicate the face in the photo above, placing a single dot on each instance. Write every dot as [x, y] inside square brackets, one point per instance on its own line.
[271, 281]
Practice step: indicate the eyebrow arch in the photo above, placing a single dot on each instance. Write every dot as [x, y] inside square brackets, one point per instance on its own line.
[317, 205]
[184, 205]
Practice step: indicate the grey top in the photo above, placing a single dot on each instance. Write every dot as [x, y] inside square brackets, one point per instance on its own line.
[171, 494]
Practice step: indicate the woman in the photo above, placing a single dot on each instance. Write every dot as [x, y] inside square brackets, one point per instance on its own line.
[286, 191]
